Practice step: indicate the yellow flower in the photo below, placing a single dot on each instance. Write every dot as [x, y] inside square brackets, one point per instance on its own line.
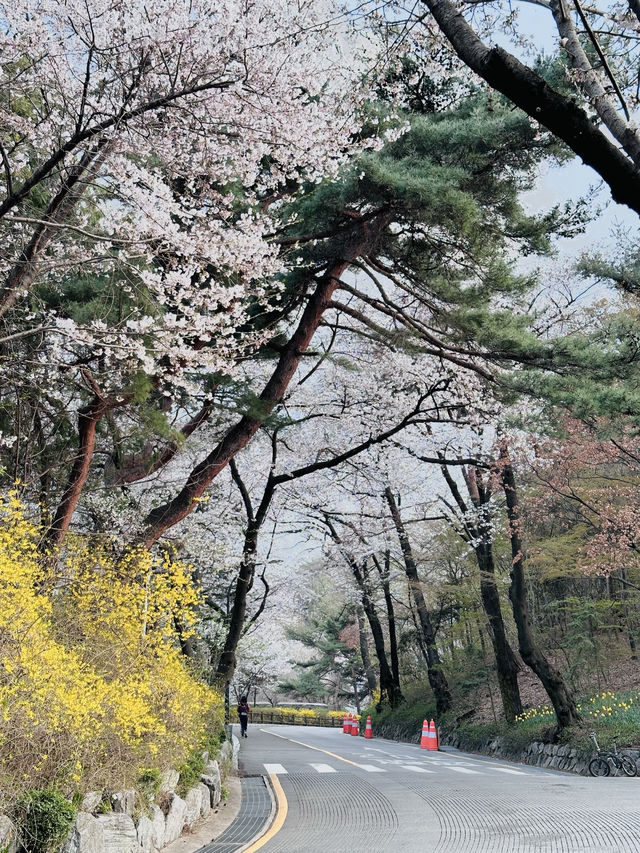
[92, 671]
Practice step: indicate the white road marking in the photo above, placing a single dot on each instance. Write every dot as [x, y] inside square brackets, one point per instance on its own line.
[383, 751]
[276, 769]
[508, 770]
[416, 769]
[324, 768]
[371, 769]
[440, 760]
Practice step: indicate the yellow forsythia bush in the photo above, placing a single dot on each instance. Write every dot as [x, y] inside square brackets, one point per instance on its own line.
[93, 687]
[299, 712]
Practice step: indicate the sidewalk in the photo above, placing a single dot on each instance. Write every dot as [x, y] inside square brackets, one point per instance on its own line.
[235, 823]
[257, 810]
[212, 827]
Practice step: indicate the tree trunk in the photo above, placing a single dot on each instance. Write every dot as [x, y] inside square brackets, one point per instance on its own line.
[363, 238]
[557, 112]
[388, 689]
[391, 616]
[370, 672]
[227, 663]
[624, 597]
[88, 418]
[437, 678]
[552, 681]
[506, 664]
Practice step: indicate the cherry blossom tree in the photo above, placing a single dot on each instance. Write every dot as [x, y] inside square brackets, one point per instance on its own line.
[146, 143]
[416, 403]
[143, 154]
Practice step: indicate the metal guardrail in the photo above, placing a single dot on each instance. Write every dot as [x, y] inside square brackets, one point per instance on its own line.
[276, 717]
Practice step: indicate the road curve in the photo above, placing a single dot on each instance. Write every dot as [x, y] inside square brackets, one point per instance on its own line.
[350, 795]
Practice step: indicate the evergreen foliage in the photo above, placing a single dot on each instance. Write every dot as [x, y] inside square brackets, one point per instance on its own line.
[44, 819]
[334, 669]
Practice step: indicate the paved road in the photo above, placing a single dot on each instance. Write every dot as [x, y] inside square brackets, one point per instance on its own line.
[348, 795]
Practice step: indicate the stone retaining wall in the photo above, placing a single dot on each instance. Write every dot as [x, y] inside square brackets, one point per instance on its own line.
[539, 754]
[536, 753]
[127, 827]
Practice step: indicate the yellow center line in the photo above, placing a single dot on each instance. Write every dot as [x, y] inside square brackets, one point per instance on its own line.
[282, 807]
[317, 748]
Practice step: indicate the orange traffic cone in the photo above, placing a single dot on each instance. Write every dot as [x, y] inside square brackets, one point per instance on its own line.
[368, 731]
[433, 738]
[345, 724]
[424, 740]
[355, 728]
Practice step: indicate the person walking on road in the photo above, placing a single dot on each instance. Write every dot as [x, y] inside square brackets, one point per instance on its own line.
[243, 715]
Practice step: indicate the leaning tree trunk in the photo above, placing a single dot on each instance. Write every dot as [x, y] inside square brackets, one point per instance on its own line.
[88, 418]
[365, 233]
[557, 112]
[437, 678]
[552, 680]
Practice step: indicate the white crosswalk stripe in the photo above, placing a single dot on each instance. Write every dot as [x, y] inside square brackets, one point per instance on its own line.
[276, 769]
[413, 767]
[416, 769]
[509, 770]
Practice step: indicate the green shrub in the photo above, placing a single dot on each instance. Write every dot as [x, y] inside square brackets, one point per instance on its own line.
[190, 773]
[44, 819]
[405, 721]
[213, 741]
[149, 782]
[105, 805]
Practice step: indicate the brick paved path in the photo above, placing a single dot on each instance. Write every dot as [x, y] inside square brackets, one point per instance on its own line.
[384, 797]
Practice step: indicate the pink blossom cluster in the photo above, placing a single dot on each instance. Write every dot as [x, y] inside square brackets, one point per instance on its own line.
[184, 120]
